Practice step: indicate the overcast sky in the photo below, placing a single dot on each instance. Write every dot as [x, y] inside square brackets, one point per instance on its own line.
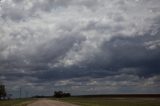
[80, 46]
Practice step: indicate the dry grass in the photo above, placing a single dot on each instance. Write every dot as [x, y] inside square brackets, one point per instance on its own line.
[16, 102]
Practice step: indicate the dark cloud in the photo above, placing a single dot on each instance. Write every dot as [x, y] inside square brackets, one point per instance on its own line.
[84, 46]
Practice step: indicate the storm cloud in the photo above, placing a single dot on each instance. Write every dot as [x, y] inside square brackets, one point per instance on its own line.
[84, 46]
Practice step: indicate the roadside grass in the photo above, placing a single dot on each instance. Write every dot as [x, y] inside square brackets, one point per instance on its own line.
[103, 101]
[15, 102]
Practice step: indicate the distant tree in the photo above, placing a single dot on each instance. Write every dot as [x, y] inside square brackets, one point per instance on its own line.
[60, 94]
[67, 94]
[2, 91]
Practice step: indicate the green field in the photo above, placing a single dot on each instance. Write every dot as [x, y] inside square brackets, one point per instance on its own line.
[103, 101]
[17, 102]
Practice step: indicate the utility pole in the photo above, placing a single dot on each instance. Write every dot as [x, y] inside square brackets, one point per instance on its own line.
[20, 91]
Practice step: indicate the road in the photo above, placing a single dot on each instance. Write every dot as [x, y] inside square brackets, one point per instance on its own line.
[46, 102]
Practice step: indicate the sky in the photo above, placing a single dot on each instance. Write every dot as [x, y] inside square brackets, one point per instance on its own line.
[80, 46]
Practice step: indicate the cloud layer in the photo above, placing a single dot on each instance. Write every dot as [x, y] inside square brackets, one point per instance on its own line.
[84, 46]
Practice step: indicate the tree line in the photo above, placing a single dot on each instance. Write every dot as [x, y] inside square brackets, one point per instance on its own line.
[57, 94]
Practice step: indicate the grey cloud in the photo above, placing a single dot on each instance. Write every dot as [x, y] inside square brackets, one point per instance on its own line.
[80, 44]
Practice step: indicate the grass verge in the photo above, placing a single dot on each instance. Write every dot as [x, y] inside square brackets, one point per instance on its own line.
[16, 102]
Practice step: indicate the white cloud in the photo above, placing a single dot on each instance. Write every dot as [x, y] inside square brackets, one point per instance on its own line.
[152, 44]
[24, 30]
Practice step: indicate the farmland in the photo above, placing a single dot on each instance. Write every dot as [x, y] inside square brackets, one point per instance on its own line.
[86, 101]
[105, 101]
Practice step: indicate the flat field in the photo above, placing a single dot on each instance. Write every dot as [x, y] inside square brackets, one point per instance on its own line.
[103, 101]
[16, 102]
[91, 101]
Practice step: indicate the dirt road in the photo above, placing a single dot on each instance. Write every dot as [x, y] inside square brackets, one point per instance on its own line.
[46, 102]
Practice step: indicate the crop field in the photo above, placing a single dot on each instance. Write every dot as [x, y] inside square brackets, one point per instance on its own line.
[17, 102]
[103, 101]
